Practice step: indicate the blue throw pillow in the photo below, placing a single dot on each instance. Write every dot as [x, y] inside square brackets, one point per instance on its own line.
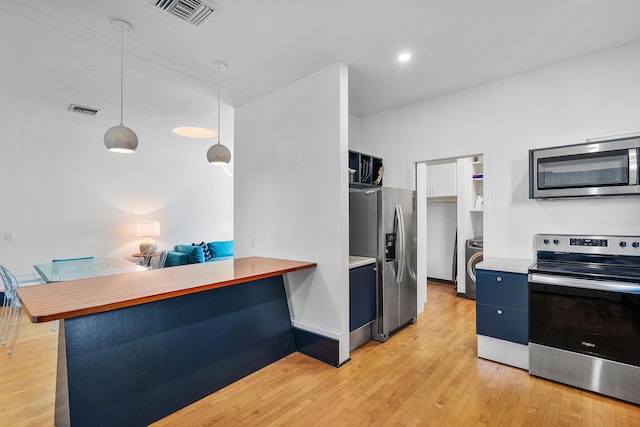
[205, 250]
[220, 249]
[194, 252]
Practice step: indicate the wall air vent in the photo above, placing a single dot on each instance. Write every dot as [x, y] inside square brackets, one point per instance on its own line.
[194, 12]
[89, 111]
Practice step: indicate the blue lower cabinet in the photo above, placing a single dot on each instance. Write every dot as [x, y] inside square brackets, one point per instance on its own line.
[502, 301]
[362, 296]
[502, 289]
[502, 323]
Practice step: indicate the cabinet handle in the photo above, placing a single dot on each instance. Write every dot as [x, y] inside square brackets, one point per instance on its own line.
[499, 278]
[499, 312]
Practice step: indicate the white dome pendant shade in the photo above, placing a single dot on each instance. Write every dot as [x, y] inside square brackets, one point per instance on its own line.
[121, 139]
[218, 154]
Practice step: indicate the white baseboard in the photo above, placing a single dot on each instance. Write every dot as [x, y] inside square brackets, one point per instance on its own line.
[503, 351]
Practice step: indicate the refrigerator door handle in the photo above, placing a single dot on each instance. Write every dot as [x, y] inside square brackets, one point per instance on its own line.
[400, 247]
[396, 232]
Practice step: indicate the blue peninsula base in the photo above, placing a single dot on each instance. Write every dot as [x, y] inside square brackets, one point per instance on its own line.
[135, 365]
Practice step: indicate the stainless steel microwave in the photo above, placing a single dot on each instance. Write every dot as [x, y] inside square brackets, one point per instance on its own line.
[602, 168]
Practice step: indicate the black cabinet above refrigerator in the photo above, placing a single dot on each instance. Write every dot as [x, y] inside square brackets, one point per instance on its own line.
[368, 170]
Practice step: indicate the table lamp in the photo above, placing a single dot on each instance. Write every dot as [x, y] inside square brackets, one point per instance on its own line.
[148, 229]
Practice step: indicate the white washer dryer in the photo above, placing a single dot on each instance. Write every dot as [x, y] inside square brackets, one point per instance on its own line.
[473, 255]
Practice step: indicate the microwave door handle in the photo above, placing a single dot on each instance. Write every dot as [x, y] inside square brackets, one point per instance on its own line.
[633, 166]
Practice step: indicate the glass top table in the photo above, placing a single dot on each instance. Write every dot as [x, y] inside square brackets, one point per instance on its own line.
[85, 268]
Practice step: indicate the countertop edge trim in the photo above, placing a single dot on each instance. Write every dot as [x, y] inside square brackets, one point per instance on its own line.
[162, 296]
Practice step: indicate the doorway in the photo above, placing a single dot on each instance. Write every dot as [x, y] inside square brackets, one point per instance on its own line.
[453, 208]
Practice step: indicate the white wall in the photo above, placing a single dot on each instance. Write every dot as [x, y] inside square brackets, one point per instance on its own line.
[441, 229]
[63, 194]
[567, 103]
[355, 140]
[291, 194]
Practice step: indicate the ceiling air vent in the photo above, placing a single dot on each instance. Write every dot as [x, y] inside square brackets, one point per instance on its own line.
[89, 111]
[194, 12]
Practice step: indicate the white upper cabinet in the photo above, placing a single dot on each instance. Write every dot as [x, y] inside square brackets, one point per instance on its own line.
[441, 180]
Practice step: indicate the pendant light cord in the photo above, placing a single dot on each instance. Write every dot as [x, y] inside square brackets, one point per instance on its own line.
[121, 74]
[219, 71]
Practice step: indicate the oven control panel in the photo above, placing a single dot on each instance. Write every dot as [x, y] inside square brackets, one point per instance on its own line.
[605, 245]
[589, 242]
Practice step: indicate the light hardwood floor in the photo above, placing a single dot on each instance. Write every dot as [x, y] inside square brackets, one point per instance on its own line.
[426, 375]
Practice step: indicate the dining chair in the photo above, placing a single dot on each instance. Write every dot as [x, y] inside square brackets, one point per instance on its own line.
[158, 261]
[11, 309]
[6, 303]
[145, 257]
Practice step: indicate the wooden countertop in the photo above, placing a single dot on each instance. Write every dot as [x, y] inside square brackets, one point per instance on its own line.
[63, 300]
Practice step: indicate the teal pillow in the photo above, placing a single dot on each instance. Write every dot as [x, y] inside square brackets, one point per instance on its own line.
[194, 253]
[176, 258]
[220, 249]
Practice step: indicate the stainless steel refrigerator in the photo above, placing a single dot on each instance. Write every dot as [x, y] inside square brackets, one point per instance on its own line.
[382, 224]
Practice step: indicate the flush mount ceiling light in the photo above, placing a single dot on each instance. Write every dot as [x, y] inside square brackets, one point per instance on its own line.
[195, 132]
[121, 139]
[218, 154]
[404, 57]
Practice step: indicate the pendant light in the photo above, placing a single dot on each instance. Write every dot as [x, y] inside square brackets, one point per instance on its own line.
[121, 139]
[218, 154]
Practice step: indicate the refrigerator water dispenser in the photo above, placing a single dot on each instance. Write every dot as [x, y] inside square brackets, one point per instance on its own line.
[390, 247]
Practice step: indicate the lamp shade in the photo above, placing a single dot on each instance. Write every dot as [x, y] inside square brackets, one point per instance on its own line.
[218, 154]
[148, 228]
[121, 139]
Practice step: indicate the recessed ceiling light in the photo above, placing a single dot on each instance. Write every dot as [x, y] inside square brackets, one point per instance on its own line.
[404, 57]
[195, 132]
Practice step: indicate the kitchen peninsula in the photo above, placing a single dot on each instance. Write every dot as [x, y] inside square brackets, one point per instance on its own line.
[135, 347]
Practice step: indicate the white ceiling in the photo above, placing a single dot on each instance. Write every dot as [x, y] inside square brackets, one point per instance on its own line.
[66, 51]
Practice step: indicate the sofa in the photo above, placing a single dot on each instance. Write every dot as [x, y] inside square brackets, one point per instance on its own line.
[199, 252]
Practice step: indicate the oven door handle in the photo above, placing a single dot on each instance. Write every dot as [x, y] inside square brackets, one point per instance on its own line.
[599, 285]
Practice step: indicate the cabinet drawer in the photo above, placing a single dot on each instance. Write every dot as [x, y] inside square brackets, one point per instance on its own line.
[503, 323]
[362, 296]
[502, 289]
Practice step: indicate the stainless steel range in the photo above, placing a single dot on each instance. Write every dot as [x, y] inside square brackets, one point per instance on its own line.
[584, 313]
